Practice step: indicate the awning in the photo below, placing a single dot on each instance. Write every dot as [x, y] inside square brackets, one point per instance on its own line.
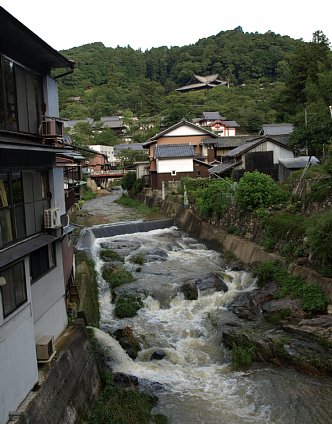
[24, 248]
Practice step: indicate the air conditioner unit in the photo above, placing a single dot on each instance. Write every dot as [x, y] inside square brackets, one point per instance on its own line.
[45, 348]
[52, 218]
[52, 128]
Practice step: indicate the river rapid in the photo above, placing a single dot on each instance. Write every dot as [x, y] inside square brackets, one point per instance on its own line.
[195, 382]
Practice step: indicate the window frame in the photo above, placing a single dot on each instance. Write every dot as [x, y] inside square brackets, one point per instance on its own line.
[49, 252]
[14, 282]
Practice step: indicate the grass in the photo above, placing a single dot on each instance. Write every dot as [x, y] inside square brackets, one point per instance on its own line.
[117, 405]
[313, 298]
[132, 203]
[138, 259]
[127, 306]
[243, 354]
[87, 283]
[110, 254]
[116, 277]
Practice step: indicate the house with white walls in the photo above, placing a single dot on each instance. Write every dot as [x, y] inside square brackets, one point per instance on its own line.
[33, 228]
[176, 152]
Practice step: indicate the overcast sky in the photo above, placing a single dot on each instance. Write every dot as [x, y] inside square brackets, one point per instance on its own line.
[151, 23]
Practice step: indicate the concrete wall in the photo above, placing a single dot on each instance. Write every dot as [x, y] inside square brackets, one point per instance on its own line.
[71, 384]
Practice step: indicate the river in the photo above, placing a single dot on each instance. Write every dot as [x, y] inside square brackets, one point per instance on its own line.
[195, 382]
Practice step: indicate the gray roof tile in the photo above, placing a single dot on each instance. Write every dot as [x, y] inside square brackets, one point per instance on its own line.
[164, 151]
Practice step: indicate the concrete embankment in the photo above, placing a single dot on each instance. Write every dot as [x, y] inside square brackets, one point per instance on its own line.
[69, 385]
[245, 251]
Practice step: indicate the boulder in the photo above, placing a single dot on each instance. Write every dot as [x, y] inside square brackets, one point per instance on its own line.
[206, 285]
[158, 355]
[128, 341]
[244, 306]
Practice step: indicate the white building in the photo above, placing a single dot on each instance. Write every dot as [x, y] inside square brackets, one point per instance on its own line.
[32, 283]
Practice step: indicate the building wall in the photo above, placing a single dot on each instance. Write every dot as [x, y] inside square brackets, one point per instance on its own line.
[48, 301]
[19, 372]
[178, 165]
[278, 152]
[156, 179]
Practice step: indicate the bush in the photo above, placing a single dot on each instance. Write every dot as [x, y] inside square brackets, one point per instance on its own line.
[127, 307]
[256, 190]
[313, 298]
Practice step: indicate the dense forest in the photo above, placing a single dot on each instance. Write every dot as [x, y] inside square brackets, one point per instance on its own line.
[271, 78]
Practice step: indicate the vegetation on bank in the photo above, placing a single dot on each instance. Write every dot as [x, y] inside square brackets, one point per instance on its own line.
[86, 280]
[312, 297]
[118, 405]
[298, 228]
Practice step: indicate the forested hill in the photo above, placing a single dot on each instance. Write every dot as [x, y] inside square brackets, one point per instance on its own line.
[109, 81]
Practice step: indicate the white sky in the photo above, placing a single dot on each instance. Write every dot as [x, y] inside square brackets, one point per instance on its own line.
[151, 23]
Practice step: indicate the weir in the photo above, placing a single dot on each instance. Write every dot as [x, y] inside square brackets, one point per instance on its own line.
[89, 235]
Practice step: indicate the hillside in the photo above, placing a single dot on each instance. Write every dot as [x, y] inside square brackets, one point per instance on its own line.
[268, 74]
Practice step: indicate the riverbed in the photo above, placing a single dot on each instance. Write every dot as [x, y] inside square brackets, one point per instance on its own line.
[195, 382]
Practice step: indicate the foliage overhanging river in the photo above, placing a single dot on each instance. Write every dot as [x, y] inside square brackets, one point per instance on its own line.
[196, 383]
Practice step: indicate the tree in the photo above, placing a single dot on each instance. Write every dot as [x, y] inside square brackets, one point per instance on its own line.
[256, 190]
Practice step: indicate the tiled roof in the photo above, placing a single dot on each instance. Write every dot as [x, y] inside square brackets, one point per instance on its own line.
[213, 116]
[276, 129]
[298, 163]
[174, 151]
[223, 167]
[229, 141]
[230, 124]
[244, 147]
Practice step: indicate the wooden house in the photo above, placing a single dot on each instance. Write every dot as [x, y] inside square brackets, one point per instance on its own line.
[261, 154]
[176, 162]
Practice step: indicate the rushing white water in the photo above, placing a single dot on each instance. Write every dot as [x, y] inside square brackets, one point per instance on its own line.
[196, 381]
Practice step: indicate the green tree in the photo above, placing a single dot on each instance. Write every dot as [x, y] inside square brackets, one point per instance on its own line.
[256, 190]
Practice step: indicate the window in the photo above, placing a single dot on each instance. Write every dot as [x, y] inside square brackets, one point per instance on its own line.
[13, 288]
[20, 97]
[41, 261]
[36, 199]
[12, 217]
[10, 95]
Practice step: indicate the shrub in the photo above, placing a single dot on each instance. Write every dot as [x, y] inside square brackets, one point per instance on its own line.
[256, 190]
[127, 306]
[313, 299]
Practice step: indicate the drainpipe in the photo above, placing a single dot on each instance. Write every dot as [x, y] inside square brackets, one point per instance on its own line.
[15, 414]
